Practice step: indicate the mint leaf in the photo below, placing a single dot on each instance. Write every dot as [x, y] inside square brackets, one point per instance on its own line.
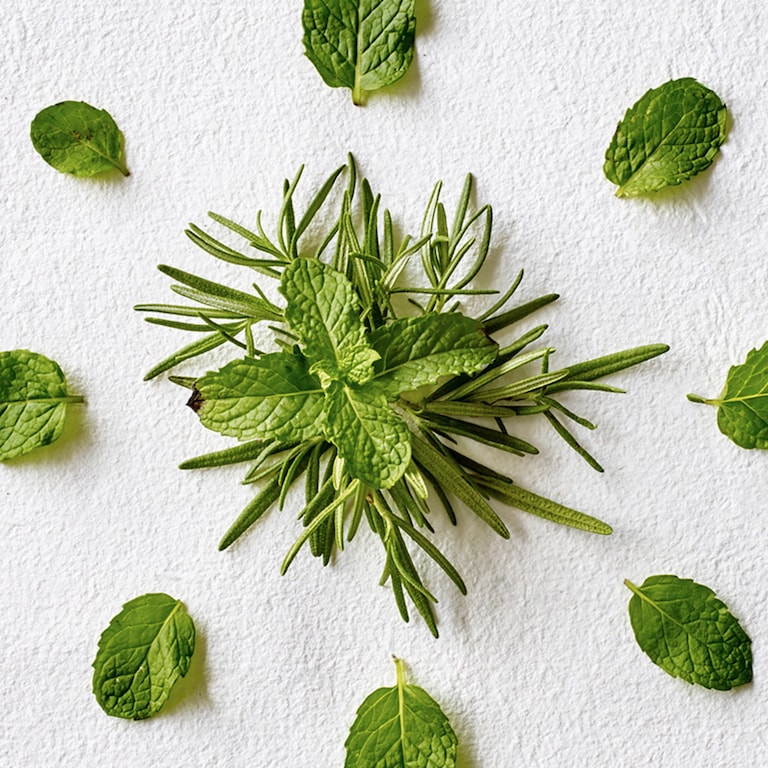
[372, 439]
[324, 312]
[401, 727]
[689, 633]
[742, 409]
[76, 138]
[359, 44]
[33, 402]
[672, 133]
[269, 397]
[420, 350]
[142, 653]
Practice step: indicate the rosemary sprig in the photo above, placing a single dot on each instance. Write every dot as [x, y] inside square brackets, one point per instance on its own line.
[379, 382]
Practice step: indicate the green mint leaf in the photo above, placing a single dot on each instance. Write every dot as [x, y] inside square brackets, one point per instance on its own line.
[33, 402]
[324, 311]
[142, 653]
[416, 351]
[359, 44]
[401, 727]
[689, 633]
[372, 439]
[742, 409]
[76, 138]
[356, 363]
[672, 133]
[270, 397]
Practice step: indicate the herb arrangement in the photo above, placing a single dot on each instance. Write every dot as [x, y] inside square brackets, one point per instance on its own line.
[380, 383]
[387, 369]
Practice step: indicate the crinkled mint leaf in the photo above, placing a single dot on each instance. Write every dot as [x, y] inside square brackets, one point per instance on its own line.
[359, 44]
[401, 727]
[416, 351]
[689, 633]
[270, 397]
[76, 138]
[672, 133]
[33, 402]
[372, 439]
[324, 312]
[142, 653]
[742, 409]
[356, 363]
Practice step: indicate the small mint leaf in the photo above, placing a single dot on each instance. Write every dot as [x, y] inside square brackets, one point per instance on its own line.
[401, 726]
[142, 653]
[356, 363]
[742, 409]
[79, 139]
[359, 44]
[689, 633]
[672, 133]
[33, 402]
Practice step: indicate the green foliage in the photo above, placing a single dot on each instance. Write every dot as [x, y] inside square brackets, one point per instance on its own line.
[371, 438]
[76, 138]
[324, 312]
[33, 402]
[672, 133]
[272, 397]
[418, 351]
[401, 727]
[142, 653]
[383, 384]
[742, 409]
[277, 396]
[689, 633]
[359, 44]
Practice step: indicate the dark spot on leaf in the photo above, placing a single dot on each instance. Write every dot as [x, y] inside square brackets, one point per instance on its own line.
[195, 401]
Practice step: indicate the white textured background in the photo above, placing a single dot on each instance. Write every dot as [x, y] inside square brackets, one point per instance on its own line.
[538, 665]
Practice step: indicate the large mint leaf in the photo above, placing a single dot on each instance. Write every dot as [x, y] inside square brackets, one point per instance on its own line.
[372, 439]
[359, 44]
[742, 409]
[324, 311]
[672, 133]
[416, 351]
[142, 653]
[689, 633]
[401, 727]
[33, 402]
[270, 397]
[76, 138]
